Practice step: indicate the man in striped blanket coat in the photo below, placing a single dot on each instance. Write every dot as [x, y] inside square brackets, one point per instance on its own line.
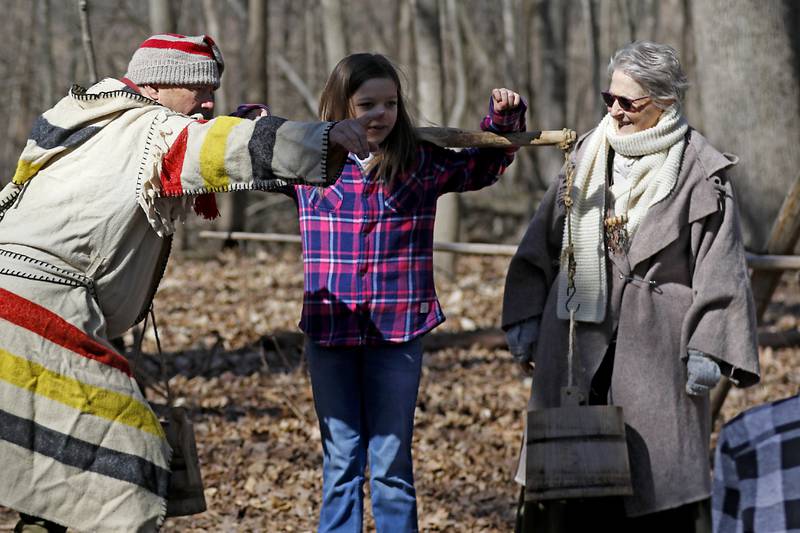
[84, 239]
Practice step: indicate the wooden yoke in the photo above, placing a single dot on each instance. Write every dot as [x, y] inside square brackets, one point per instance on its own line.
[458, 138]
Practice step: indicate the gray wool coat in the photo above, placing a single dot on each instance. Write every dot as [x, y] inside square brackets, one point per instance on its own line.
[689, 245]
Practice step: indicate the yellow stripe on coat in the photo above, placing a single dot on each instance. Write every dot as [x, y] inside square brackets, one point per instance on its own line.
[212, 153]
[86, 398]
[25, 171]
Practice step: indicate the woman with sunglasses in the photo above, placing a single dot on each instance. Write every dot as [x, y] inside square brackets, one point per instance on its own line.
[661, 294]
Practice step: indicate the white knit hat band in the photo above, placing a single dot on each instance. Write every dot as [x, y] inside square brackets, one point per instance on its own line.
[175, 73]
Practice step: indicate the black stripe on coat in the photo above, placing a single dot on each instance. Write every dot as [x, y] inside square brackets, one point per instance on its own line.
[261, 145]
[80, 454]
[48, 136]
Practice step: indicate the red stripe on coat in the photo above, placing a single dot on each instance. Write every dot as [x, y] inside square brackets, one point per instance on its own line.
[172, 165]
[43, 322]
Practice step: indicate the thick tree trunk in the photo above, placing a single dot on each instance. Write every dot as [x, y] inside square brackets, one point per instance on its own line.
[749, 85]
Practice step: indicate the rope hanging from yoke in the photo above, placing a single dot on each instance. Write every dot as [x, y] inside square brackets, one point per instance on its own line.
[568, 255]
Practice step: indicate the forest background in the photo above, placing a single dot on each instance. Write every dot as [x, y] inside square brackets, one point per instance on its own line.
[228, 318]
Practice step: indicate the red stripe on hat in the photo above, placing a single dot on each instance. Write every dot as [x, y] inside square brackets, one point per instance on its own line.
[43, 322]
[183, 46]
[172, 165]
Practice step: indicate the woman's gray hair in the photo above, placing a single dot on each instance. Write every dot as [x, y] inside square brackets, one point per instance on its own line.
[655, 67]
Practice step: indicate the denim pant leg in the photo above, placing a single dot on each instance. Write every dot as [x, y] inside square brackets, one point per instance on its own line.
[336, 376]
[391, 382]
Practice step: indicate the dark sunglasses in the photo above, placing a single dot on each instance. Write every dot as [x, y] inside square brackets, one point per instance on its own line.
[625, 103]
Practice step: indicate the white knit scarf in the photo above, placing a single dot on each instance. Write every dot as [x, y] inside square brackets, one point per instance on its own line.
[651, 179]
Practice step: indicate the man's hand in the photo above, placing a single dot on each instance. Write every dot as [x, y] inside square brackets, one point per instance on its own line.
[505, 99]
[351, 134]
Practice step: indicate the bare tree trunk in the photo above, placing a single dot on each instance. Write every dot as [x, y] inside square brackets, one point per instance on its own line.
[48, 72]
[522, 177]
[86, 32]
[430, 80]
[430, 77]
[551, 102]
[333, 32]
[460, 90]
[238, 7]
[162, 17]
[650, 17]
[750, 90]
[510, 13]
[311, 45]
[162, 20]
[513, 57]
[19, 99]
[626, 16]
[256, 67]
[405, 32]
[214, 28]
[234, 216]
[594, 54]
[693, 108]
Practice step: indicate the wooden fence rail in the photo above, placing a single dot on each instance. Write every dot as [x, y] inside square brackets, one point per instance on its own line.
[754, 261]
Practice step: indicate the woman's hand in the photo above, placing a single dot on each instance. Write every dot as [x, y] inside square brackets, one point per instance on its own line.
[703, 373]
[522, 338]
[505, 99]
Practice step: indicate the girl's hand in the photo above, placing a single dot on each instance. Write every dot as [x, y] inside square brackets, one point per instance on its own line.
[505, 99]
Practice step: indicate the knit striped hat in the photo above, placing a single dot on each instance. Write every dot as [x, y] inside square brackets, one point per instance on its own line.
[172, 59]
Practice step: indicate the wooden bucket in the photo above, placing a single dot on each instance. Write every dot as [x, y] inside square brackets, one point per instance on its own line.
[185, 494]
[576, 451]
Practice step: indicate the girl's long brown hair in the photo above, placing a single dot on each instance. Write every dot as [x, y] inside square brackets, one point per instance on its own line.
[398, 150]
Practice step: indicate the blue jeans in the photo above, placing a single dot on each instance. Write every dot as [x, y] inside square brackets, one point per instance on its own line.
[365, 399]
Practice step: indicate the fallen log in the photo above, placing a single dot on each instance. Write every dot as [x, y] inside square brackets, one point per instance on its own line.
[779, 339]
[489, 338]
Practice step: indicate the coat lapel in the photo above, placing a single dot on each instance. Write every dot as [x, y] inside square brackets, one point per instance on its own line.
[664, 221]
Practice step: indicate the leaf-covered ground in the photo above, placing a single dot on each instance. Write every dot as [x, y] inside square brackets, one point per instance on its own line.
[227, 327]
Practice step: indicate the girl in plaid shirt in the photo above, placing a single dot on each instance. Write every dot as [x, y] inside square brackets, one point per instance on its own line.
[369, 293]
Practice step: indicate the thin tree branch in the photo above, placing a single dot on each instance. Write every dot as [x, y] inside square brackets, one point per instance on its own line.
[478, 54]
[86, 33]
[294, 78]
